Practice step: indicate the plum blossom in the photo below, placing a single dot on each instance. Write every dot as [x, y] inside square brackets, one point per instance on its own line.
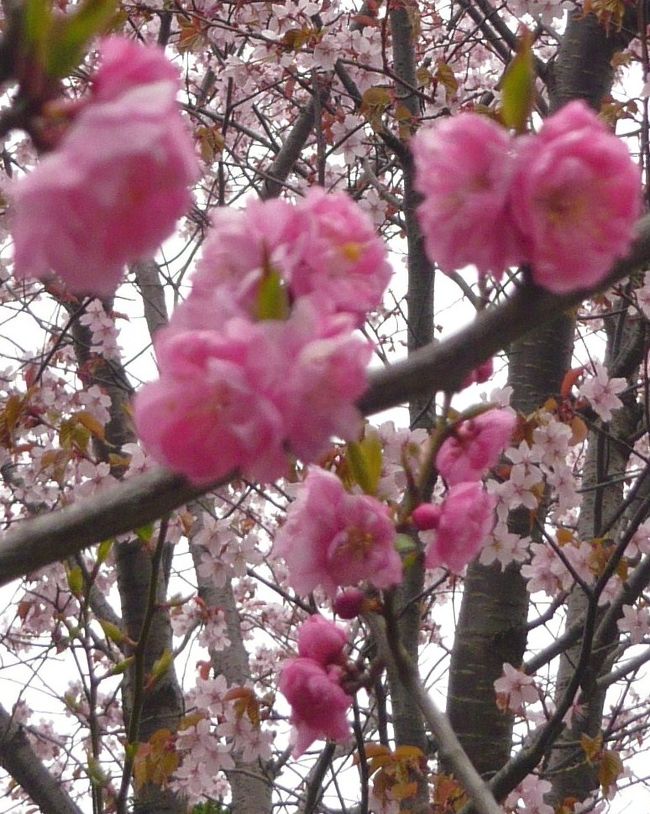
[515, 688]
[319, 704]
[602, 392]
[475, 446]
[464, 169]
[117, 182]
[575, 197]
[460, 526]
[332, 538]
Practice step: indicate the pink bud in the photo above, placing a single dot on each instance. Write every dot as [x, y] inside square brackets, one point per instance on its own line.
[426, 516]
[349, 604]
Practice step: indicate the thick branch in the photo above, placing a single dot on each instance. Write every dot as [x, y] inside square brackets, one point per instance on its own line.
[23, 764]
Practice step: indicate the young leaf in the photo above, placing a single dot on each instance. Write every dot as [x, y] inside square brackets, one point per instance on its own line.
[518, 86]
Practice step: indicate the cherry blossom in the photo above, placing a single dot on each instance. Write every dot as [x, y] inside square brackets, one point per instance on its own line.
[516, 688]
[475, 446]
[118, 143]
[332, 538]
[321, 640]
[463, 170]
[575, 194]
[602, 392]
[504, 547]
[465, 519]
[636, 622]
[319, 704]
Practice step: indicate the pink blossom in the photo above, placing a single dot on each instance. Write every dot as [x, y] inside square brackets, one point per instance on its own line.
[466, 519]
[332, 538]
[125, 64]
[241, 247]
[346, 266]
[323, 376]
[319, 704]
[110, 193]
[636, 622]
[602, 392]
[516, 687]
[205, 415]
[349, 603]
[464, 169]
[475, 446]
[242, 396]
[321, 640]
[575, 198]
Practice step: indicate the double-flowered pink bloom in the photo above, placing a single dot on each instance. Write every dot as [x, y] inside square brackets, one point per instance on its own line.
[115, 185]
[475, 446]
[332, 538]
[311, 683]
[564, 201]
[263, 360]
[462, 523]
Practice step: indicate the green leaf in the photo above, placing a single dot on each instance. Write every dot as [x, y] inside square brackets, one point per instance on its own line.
[72, 32]
[145, 533]
[104, 550]
[518, 86]
[405, 544]
[113, 632]
[365, 462]
[272, 298]
[75, 581]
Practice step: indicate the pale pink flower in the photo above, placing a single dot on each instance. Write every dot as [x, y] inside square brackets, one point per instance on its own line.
[602, 392]
[319, 704]
[475, 446]
[465, 521]
[516, 688]
[531, 790]
[332, 538]
[321, 640]
[636, 622]
[463, 170]
[575, 197]
[504, 547]
[110, 193]
[346, 267]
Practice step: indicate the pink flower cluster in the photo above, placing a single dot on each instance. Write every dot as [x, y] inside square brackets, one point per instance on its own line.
[262, 359]
[564, 201]
[311, 683]
[332, 538]
[463, 522]
[116, 184]
[475, 446]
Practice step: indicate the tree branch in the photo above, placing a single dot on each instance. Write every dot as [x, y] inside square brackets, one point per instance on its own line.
[23, 764]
